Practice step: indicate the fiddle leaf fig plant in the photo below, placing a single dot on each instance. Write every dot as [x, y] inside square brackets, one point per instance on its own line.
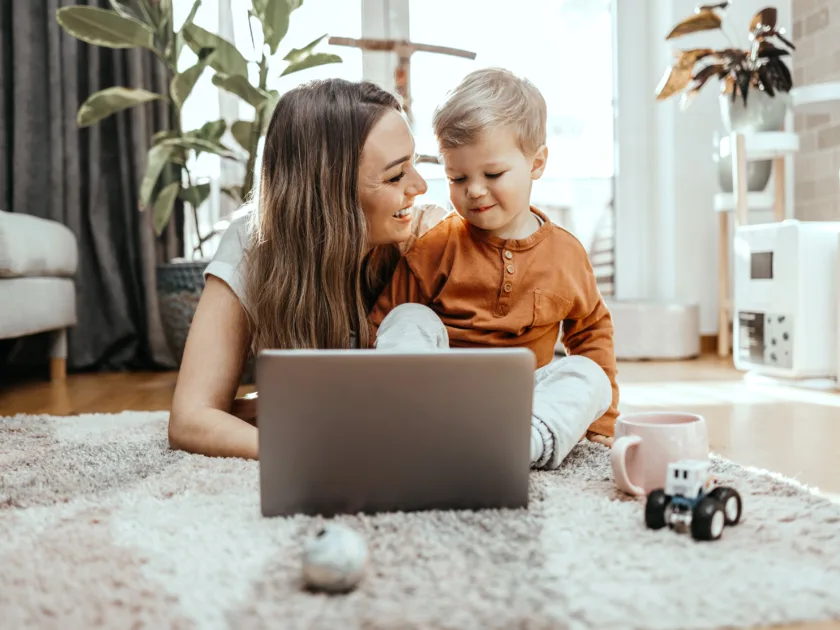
[272, 19]
[149, 24]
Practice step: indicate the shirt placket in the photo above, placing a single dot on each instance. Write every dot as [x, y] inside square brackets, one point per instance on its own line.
[508, 278]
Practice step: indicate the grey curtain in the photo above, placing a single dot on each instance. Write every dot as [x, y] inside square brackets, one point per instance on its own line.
[87, 179]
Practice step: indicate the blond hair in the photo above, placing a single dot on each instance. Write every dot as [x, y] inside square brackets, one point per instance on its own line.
[487, 99]
[310, 278]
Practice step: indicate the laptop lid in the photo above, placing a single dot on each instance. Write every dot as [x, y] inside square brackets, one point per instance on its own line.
[347, 431]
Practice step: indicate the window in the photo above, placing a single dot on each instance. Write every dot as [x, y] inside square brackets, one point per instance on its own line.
[565, 47]
[229, 18]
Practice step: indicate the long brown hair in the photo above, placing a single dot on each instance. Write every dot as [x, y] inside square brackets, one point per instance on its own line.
[309, 272]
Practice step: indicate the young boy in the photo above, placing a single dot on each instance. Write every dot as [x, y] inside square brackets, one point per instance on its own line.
[498, 273]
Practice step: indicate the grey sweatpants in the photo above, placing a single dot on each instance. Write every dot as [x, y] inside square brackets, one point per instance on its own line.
[570, 393]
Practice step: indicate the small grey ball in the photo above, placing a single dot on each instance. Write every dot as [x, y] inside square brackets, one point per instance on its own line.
[334, 560]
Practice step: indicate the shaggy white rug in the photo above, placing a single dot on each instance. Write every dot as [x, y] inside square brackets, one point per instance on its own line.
[102, 526]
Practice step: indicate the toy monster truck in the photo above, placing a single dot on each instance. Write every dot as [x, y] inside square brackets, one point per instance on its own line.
[693, 500]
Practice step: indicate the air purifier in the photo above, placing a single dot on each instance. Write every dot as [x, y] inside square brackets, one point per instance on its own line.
[786, 299]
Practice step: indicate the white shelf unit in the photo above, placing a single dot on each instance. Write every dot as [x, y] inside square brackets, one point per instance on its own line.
[819, 98]
[727, 202]
[745, 148]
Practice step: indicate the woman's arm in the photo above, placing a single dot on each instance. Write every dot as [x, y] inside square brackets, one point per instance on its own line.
[217, 345]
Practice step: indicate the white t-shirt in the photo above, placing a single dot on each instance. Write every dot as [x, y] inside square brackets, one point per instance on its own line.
[228, 262]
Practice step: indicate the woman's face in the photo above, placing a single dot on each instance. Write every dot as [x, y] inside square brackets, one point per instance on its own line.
[388, 181]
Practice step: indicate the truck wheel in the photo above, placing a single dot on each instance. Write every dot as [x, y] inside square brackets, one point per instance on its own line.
[657, 501]
[708, 519]
[731, 501]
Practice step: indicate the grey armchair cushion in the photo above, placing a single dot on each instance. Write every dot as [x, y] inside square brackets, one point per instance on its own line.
[33, 305]
[31, 246]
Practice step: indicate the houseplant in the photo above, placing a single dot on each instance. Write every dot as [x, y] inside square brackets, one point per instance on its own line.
[754, 81]
[741, 71]
[167, 180]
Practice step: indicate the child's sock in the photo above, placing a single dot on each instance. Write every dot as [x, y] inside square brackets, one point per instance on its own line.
[569, 395]
[542, 443]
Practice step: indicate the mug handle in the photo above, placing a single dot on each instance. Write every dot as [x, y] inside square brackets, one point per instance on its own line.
[618, 459]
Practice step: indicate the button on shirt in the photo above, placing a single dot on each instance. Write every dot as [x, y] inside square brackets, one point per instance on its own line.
[494, 292]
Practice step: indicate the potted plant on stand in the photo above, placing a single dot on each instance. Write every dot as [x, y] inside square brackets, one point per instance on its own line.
[754, 81]
[168, 180]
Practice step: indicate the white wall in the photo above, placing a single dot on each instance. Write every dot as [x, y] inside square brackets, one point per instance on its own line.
[666, 227]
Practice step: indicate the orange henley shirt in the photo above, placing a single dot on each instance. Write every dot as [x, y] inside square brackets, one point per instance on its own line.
[493, 292]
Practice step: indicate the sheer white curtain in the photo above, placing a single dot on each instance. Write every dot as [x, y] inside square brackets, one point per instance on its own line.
[564, 46]
[203, 105]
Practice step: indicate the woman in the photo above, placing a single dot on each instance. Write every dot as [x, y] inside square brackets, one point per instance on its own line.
[336, 200]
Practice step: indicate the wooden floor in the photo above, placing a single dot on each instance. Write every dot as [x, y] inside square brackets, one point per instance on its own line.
[790, 431]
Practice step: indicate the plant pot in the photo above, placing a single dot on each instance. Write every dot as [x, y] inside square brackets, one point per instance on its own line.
[761, 113]
[179, 287]
[758, 174]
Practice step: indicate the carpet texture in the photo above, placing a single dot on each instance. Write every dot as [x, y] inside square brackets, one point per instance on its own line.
[102, 526]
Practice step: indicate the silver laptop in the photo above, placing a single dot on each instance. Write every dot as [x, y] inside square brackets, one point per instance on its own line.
[349, 431]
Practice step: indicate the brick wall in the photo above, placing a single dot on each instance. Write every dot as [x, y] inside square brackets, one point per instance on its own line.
[816, 35]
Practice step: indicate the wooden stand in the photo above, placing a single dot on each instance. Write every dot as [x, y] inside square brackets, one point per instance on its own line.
[403, 49]
[762, 146]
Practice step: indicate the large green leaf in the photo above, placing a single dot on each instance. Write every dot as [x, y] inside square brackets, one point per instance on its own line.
[180, 40]
[123, 9]
[163, 206]
[241, 131]
[102, 27]
[165, 8]
[268, 108]
[259, 8]
[317, 59]
[275, 21]
[151, 10]
[226, 58]
[199, 144]
[179, 156]
[156, 160]
[212, 131]
[160, 136]
[196, 195]
[111, 100]
[191, 15]
[240, 86]
[299, 54]
[164, 28]
[184, 82]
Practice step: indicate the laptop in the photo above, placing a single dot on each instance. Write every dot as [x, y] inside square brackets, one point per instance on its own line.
[364, 431]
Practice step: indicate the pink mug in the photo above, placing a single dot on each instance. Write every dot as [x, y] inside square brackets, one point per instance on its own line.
[645, 443]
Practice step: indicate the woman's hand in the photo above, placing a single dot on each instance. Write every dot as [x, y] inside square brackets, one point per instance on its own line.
[245, 408]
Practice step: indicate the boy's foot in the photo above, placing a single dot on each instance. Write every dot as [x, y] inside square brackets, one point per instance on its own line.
[600, 439]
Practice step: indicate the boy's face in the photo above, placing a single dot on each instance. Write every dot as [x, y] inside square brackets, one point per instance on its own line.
[490, 183]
